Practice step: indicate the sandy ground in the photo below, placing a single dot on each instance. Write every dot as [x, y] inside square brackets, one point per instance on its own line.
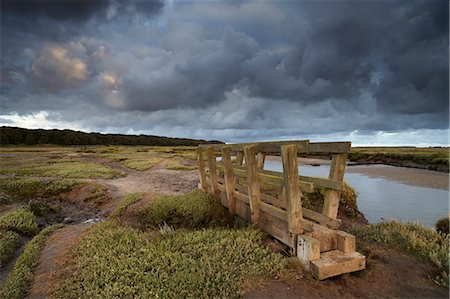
[409, 176]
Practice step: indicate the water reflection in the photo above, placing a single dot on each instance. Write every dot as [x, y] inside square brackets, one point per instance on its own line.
[385, 199]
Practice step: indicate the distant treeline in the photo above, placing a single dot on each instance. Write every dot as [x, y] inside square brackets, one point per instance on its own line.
[20, 136]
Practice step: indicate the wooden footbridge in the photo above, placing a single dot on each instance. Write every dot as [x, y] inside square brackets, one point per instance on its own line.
[272, 201]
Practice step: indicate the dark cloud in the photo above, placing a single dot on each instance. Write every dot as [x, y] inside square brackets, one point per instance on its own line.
[255, 68]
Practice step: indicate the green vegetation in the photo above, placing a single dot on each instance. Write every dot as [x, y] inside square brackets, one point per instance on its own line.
[98, 194]
[16, 285]
[126, 201]
[442, 225]
[13, 135]
[116, 261]
[9, 243]
[26, 187]
[411, 238]
[144, 163]
[21, 220]
[177, 164]
[434, 157]
[80, 170]
[193, 210]
[43, 209]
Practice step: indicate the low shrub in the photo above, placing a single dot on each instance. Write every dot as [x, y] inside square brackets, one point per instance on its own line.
[411, 238]
[9, 242]
[126, 201]
[43, 209]
[442, 225]
[193, 210]
[16, 285]
[21, 220]
[116, 261]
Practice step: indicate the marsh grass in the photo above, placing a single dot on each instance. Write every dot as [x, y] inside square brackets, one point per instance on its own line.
[434, 156]
[412, 238]
[9, 242]
[116, 261]
[125, 202]
[177, 164]
[16, 285]
[98, 194]
[142, 163]
[27, 187]
[21, 221]
[193, 210]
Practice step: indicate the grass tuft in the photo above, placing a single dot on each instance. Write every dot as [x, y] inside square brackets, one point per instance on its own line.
[21, 220]
[16, 285]
[27, 187]
[442, 225]
[411, 238]
[116, 261]
[9, 242]
[126, 201]
[177, 164]
[193, 210]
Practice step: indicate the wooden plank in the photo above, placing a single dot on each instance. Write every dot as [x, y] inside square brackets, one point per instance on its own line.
[331, 202]
[334, 263]
[201, 168]
[239, 158]
[322, 219]
[277, 228]
[330, 147]
[212, 171]
[345, 242]
[253, 183]
[305, 181]
[260, 159]
[267, 147]
[280, 203]
[308, 249]
[274, 211]
[242, 197]
[229, 178]
[241, 189]
[293, 193]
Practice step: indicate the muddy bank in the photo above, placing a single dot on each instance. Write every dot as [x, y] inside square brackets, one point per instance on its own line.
[410, 176]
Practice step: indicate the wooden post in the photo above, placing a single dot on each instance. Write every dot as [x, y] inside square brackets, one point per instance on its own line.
[213, 171]
[293, 193]
[260, 159]
[253, 183]
[229, 178]
[239, 158]
[331, 202]
[201, 169]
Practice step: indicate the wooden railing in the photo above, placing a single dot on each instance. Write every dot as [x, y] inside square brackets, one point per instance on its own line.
[247, 190]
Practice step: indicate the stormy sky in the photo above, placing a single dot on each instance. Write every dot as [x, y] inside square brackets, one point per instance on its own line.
[371, 72]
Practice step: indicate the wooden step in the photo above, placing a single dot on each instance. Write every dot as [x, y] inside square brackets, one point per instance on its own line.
[335, 262]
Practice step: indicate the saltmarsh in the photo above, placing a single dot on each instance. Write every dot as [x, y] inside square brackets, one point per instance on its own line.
[115, 260]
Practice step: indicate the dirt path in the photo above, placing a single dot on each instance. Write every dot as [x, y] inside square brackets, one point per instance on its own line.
[56, 251]
[388, 275]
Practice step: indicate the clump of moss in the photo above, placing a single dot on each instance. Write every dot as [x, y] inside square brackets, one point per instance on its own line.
[442, 225]
[21, 220]
[117, 261]
[192, 210]
[9, 242]
[411, 238]
[16, 285]
[126, 201]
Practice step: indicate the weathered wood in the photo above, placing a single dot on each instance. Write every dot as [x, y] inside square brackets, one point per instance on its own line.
[260, 159]
[322, 219]
[303, 147]
[319, 182]
[212, 171]
[242, 197]
[293, 193]
[253, 183]
[239, 158]
[277, 202]
[274, 211]
[308, 249]
[229, 178]
[330, 147]
[201, 169]
[277, 228]
[331, 202]
[335, 262]
[345, 242]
